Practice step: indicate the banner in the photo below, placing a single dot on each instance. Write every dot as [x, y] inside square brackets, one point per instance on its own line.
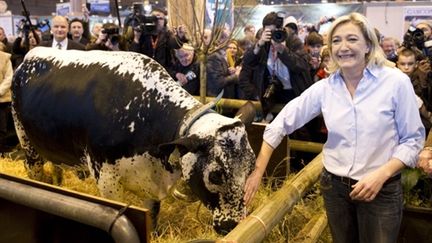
[63, 9]
[219, 12]
[414, 15]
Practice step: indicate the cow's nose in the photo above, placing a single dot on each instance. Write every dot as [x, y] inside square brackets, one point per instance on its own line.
[224, 227]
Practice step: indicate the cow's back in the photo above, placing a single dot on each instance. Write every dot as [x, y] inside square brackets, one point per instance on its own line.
[107, 104]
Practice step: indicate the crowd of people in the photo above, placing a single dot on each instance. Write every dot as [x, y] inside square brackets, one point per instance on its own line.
[368, 96]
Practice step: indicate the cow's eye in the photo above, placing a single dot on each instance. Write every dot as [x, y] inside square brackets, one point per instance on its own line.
[216, 177]
[226, 142]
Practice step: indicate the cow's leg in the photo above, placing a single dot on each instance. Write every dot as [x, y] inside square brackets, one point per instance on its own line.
[154, 207]
[110, 186]
[33, 161]
[108, 182]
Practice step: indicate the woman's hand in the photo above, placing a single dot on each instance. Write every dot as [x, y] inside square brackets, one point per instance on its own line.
[425, 160]
[254, 179]
[368, 187]
[251, 186]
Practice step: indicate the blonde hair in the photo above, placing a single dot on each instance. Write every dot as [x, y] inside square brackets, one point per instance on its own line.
[376, 56]
[2, 46]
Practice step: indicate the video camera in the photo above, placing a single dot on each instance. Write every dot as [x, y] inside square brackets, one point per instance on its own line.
[140, 21]
[112, 32]
[414, 37]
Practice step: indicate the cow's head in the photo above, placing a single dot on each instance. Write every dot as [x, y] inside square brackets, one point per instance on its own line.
[216, 163]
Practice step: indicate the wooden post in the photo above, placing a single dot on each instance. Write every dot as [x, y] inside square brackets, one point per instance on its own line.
[312, 230]
[203, 78]
[187, 12]
[257, 225]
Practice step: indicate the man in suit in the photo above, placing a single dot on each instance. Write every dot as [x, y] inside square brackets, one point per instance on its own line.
[60, 29]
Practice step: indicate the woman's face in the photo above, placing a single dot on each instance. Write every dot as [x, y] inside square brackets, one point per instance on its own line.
[349, 47]
[32, 40]
[232, 48]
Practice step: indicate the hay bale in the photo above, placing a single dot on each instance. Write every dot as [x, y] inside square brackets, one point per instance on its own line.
[181, 221]
[13, 167]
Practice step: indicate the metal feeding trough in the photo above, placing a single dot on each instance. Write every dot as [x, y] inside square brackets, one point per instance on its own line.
[416, 225]
[34, 212]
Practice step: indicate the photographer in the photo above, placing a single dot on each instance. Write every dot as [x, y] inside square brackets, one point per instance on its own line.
[426, 27]
[109, 39]
[152, 38]
[23, 44]
[271, 72]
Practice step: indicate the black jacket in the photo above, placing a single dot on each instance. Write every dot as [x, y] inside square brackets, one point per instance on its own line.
[219, 78]
[165, 42]
[72, 45]
[193, 70]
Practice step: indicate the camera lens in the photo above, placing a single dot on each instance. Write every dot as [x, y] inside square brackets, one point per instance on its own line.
[279, 35]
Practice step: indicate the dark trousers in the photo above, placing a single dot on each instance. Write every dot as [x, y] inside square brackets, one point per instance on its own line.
[351, 221]
[8, 139]
[4, 116]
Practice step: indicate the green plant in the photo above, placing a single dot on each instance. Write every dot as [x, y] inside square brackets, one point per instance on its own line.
[417, 187]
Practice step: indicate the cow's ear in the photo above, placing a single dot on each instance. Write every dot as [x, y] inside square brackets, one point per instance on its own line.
[184, 145]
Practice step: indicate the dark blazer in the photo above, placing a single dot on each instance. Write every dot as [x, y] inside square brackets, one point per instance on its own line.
[219, 78]
[72, 45]
[162, 52]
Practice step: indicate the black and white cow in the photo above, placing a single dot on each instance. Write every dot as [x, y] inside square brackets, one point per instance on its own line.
[121, 113]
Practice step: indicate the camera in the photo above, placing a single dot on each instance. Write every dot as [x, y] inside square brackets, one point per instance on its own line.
[140, 21]
[112, 33]
[279, 35]
[23, 27]
[414, 37]
[190, 75]
[269, 91]
[147, 24]
[271, 88]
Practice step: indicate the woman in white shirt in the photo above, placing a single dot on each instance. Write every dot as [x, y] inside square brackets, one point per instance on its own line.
[374, 130]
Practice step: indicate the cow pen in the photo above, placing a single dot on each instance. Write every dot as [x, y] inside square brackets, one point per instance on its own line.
[254, 228]
[36, 215]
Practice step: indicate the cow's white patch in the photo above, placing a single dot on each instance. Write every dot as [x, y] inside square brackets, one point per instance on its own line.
[128, 105]
[132, 127]
[151, 75]
[187, 162]
[145, 176]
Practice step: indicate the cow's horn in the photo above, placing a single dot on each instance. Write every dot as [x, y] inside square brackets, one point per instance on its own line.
[181, 191]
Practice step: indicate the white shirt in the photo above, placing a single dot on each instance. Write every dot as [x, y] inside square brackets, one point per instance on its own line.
[380, 122]
[63, 44]
[277, 67]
